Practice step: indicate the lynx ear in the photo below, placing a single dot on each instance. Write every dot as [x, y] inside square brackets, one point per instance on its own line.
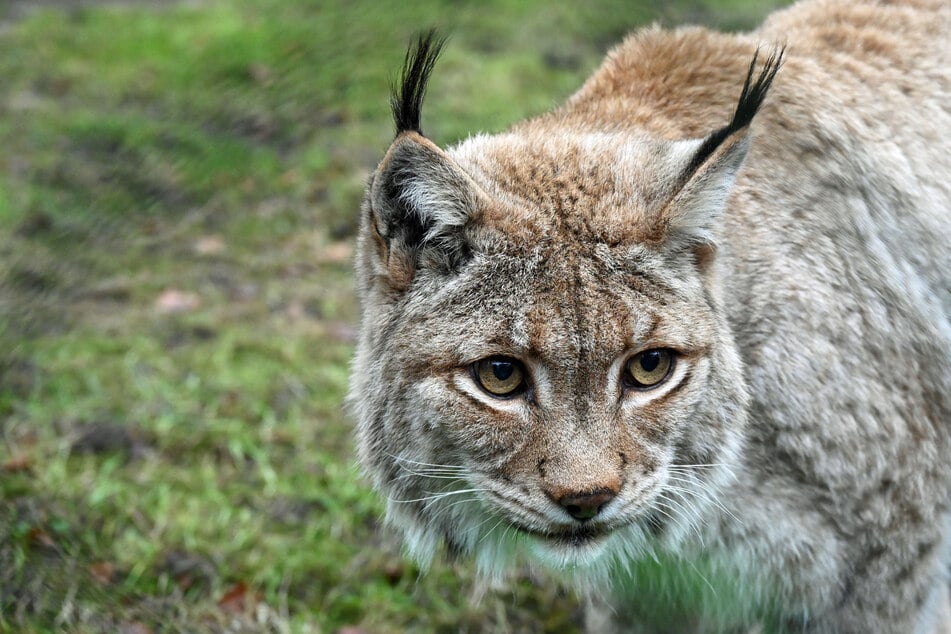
[709, 166]
[420, 200]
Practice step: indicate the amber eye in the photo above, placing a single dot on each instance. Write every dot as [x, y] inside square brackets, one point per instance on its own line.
[648, 369]
[500, 376]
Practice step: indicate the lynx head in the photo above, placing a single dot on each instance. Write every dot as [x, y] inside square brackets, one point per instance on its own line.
[543, 367]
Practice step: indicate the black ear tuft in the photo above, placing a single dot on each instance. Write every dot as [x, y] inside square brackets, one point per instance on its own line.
[407, 97]
[751, 98]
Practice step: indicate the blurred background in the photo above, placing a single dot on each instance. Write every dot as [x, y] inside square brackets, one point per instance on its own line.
[179, 190]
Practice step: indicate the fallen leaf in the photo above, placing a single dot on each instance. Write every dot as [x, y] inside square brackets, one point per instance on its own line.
[17, 464]
[176, 301]
[103, 572]
[209, 245]
[237, 599]
[39, 537]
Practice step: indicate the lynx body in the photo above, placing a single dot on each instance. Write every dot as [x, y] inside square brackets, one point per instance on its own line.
[656, 349]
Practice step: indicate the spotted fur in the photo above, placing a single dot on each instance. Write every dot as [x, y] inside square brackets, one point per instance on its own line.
[783, 227]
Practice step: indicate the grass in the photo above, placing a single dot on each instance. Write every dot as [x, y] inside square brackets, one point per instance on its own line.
[178, 196]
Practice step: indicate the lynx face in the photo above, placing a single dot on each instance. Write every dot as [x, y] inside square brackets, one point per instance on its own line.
[543, 367]
[565, 394]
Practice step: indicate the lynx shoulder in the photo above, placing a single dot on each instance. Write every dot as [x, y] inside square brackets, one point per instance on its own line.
[692, 324]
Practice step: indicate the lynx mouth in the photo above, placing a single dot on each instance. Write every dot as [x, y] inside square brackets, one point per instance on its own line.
[576, 537]
[567, 547]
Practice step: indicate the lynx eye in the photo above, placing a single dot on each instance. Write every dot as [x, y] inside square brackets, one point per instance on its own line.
[648, 369]
[500, 376]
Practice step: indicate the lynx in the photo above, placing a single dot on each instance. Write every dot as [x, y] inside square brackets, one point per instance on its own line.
[683, 341]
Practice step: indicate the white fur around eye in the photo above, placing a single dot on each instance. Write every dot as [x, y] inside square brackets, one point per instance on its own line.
[465, 383]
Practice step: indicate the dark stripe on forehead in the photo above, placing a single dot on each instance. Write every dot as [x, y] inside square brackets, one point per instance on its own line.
[649, 286]
[622, 266]
[584, 346]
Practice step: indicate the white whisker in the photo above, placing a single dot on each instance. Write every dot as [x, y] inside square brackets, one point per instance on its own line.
[401, 459]
[705, 580]
[679, 515]
[491, 530]
[436, 496]
[433, 475]
[704, 491]
[694, 466]
[446, 508]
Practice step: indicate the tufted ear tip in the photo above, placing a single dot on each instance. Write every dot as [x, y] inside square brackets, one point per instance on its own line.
[709, 166]
[407, 96]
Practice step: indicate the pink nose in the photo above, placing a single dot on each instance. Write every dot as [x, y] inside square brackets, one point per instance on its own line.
[584, 506]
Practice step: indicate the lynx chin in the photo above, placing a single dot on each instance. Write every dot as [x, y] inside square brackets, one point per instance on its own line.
[684, 341]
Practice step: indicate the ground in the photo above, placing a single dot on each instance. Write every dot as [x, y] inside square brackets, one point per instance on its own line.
[179, 187]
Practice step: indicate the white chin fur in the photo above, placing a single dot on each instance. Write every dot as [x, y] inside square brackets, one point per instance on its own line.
[554, 554]
[592, 563]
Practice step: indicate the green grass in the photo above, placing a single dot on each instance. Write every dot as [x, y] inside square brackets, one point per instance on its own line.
[191, 470]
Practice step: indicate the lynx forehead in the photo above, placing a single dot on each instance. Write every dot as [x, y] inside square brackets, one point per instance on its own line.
[689, 330]
[582, 186]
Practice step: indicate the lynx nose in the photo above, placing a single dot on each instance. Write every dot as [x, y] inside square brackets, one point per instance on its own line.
[584, 506]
